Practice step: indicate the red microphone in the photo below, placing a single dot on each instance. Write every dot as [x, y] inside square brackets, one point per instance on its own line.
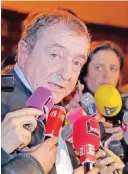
[86, 139]
[55, 120]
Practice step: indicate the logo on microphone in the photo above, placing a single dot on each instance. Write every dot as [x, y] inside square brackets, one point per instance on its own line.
[109, 111]
[93, 127]
[53, 113]
[87, 153]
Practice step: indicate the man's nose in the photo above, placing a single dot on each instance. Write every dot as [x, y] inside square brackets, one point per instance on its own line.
[67, 71]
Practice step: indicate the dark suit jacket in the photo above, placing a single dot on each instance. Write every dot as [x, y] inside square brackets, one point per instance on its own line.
[15, 100]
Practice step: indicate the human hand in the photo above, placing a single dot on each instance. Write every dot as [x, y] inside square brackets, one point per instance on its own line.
[117, 132]
[108, 162]
[13, 131]
[46, 154]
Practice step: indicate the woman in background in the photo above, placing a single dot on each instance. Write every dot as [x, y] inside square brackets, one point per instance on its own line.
[103, 67]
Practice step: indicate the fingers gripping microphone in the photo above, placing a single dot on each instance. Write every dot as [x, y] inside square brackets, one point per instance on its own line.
[40, 99]
[55, 120]
[86, 139]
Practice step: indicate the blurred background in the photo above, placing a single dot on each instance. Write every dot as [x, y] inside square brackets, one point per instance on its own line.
[105, 20]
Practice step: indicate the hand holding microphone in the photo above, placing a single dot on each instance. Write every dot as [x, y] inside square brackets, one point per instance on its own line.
[108, 162]
[117, 133]
[13, 133]
[18, 126]
[41, 99]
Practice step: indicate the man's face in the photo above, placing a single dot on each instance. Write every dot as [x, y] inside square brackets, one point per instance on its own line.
[56, 60]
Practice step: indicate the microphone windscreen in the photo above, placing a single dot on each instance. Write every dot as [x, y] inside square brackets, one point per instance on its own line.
[86, 130]
[86, 138]
[41, 99]
[88, 103]
[74, 114]
[55, 120]
[108, 100]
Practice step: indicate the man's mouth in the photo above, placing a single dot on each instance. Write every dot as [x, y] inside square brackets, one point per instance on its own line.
[55, 86]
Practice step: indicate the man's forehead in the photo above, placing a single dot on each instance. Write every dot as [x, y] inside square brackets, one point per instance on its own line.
[60, 36]
[63, 27]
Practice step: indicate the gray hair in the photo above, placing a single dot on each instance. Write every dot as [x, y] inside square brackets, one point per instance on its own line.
[49, 17]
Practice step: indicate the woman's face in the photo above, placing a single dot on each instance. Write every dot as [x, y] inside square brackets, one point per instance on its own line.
[104, 68]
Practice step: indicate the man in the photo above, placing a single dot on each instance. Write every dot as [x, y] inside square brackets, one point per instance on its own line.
[51, 52]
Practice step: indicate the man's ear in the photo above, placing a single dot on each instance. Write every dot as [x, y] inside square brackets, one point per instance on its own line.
[22, 54]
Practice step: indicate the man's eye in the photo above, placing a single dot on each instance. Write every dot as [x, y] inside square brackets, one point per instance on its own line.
[78, 64]
[55, 56]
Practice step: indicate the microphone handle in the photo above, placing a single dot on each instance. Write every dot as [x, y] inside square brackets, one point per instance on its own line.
[87, 167]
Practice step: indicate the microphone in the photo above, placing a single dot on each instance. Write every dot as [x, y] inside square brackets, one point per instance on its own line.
[125, 101]
[86, 140]
[74, 114]
[71, 116]
[41, 99]
[67, 132]
[88, 103]
[55, 120]
[125, 127]
[108, 100]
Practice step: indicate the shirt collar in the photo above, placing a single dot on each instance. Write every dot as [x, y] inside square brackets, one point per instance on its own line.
[21, 76]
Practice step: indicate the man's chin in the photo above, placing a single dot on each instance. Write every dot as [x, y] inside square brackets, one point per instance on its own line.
[57, 98]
